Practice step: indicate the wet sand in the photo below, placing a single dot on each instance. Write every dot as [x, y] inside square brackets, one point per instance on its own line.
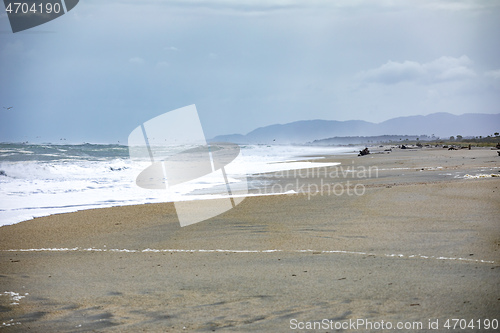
[422, 243]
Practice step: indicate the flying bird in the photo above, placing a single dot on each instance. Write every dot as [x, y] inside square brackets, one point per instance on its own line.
[8, 108]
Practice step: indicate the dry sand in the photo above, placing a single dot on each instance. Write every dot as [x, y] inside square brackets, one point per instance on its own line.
[422, 243]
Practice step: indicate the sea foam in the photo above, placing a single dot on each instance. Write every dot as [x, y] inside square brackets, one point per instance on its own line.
[41, 180]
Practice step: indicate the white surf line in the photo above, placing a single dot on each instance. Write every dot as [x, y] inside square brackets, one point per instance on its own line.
[401, 256]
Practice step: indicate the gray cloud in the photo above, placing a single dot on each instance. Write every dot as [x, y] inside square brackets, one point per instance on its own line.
[441, 69]
[116, 63]
[495, 74]
[266, 5]
[162, 64]
[136, 60]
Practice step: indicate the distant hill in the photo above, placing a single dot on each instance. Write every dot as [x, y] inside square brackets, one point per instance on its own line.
[440, 124]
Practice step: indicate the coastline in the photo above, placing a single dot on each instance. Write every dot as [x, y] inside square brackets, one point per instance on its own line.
[421, 243]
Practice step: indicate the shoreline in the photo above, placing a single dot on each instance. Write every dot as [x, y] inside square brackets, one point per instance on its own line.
[112, 183]
[340, 158]
[418, 245]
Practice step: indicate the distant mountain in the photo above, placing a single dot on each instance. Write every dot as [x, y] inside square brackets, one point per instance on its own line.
[300, 131]
[439, 124]
[443, 124]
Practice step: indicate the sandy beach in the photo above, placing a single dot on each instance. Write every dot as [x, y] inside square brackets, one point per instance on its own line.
[419, 242]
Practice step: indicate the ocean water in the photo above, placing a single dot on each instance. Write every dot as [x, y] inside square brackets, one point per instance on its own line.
[39, 180]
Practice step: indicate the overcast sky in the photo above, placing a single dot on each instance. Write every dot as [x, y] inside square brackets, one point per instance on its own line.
[96, 73]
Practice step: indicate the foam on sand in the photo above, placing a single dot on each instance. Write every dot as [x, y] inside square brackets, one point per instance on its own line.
[481, 175]
[14, 297]
[149, 250]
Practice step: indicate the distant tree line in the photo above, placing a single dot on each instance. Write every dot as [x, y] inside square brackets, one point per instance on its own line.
[346, 140]
[477, 139]
[419, 140]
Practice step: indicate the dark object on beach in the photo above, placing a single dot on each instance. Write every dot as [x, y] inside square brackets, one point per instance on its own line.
[403, 147]
[364, 152]
[445, 146]
[117, 169]
[498, 145]
[469, 146]
[2, 173]
[497, 152]
[452, 148]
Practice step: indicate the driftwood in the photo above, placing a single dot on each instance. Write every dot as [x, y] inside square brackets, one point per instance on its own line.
[364, 152]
